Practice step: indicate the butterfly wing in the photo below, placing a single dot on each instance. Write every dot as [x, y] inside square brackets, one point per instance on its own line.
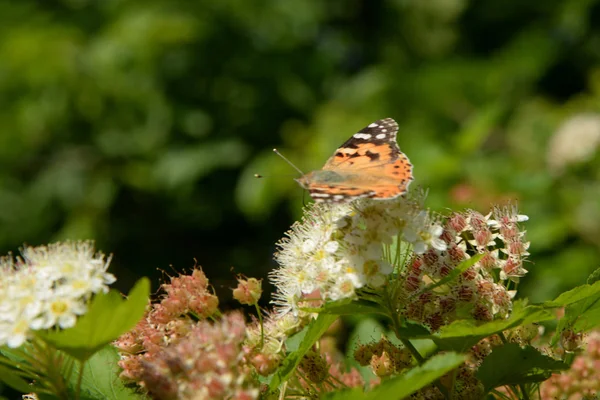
[370, 147]
[369, 164]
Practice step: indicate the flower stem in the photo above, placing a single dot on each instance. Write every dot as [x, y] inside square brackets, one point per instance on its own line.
[415, 353]
[79, 380]
[262, 328]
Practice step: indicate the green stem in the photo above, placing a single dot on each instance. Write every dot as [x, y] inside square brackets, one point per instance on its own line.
[569, 356]
[415, 353]
[79, 380]
[262, 328]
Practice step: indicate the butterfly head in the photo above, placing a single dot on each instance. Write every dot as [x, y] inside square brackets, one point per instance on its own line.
[322, 177]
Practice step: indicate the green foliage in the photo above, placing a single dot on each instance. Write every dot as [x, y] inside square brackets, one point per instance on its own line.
[574, 295]
[109, 316]
[12, 379]
[349, 307]
[314, 331]
[408, 383]
[512, 364]
[462, 334]
[101, 378]
[594, 277]
[582, 311]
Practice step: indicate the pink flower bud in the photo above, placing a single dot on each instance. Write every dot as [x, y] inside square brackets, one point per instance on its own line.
[248, 291]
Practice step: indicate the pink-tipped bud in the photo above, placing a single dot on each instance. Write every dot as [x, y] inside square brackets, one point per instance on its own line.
[248, 291]
[570, 340]
[382, 365]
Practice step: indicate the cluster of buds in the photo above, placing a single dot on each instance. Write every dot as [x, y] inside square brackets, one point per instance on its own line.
[383, 357]
[482, 291]
[175, 353]
[208, 364]
[319, 373]
[462, 382]
[583, 379]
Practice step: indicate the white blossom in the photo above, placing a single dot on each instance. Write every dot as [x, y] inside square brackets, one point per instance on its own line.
[48, 286]
[338, 249]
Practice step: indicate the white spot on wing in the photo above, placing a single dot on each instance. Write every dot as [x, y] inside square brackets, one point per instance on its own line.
[319, 195]
[338, 197]
[365, 136]
[373, 125]
[380, 136]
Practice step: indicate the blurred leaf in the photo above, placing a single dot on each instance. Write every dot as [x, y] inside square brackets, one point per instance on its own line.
[412, 330]
[594, 277]
[13, 380]
[463, 334]
[315, 330]
[349, 307]
[512, 365]
[257, 197]
[101, 377]
[108, 317]
[404, 385]
[476, 130]
[582, 311]
[574, 295]
[187, 165]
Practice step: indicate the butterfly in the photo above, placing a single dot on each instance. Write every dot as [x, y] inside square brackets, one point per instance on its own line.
[369, 164]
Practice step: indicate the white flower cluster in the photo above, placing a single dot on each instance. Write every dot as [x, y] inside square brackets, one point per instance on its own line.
[337, 249]
[48, 286]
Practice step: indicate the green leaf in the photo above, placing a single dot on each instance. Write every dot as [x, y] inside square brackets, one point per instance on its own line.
[292, 343]
[582, 315]
[510, 364]
[459, 269]
[594, 277]
[408, 383]
[574, 295]
[46, 369]
[9, 377]
[413, 330]
[315, 330]
[101, 377]
[477, 128]
[108, 317]
[350, 394]
[418, 377]
[345, 307]
[462, 334]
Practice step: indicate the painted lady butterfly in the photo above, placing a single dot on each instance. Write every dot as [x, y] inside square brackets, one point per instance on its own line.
[370, 164]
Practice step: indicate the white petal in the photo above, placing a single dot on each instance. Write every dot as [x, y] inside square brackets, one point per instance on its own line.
[331, 246]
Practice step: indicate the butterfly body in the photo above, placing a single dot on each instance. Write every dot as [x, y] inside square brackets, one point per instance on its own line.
[369, 164]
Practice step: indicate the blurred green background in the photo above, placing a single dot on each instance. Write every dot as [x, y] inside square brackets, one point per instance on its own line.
[141, 124]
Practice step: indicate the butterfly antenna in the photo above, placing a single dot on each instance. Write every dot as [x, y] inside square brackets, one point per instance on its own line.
[288, 161]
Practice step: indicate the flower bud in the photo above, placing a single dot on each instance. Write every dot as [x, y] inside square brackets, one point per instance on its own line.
[248, 291]
[315, 367]
[382, 365]
[570, 340]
